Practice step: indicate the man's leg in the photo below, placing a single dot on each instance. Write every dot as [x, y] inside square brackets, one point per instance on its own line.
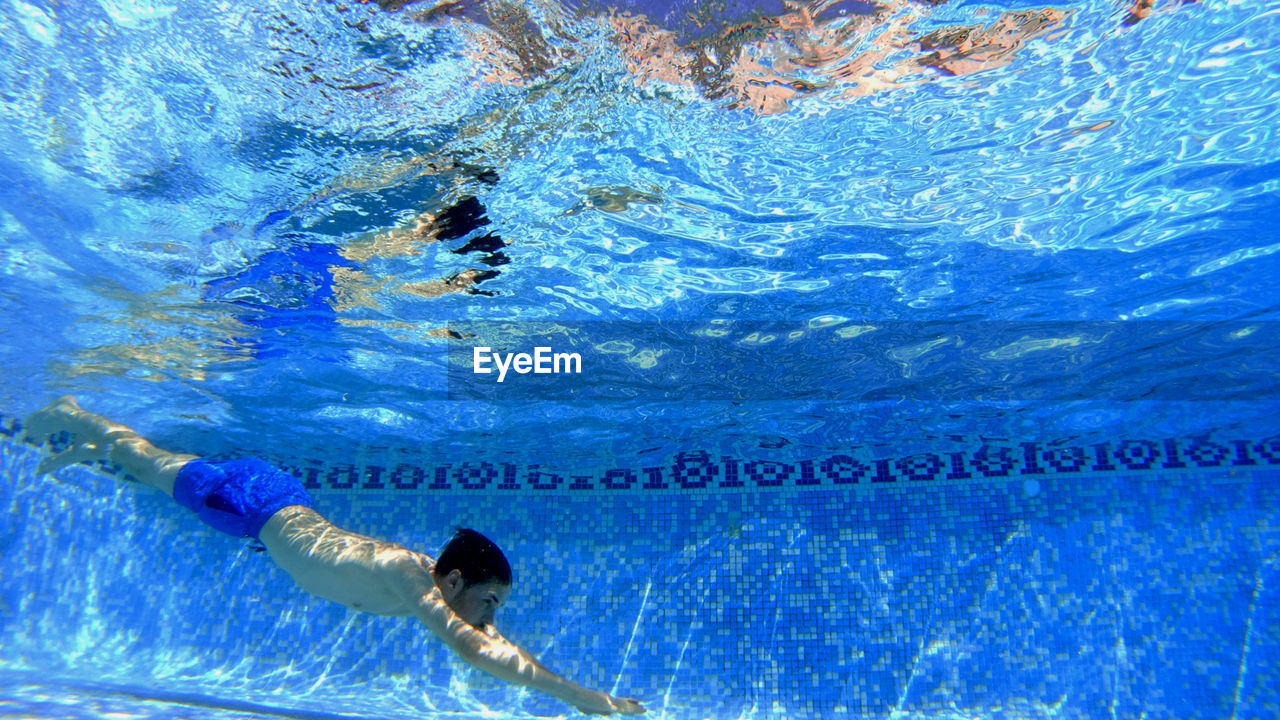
[94, 437]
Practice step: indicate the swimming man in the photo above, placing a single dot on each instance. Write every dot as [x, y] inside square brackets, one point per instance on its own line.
[456, 596]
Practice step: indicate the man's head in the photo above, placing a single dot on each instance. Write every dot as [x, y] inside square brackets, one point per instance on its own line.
[473, 576]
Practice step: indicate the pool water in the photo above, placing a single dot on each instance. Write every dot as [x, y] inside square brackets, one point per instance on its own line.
[917, 378]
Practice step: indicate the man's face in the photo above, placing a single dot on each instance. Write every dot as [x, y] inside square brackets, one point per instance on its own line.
[476, 604]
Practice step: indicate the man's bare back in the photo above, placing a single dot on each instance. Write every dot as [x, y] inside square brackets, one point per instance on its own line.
[362, 573]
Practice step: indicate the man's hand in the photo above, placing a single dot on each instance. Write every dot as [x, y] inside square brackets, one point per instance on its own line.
[599, 703]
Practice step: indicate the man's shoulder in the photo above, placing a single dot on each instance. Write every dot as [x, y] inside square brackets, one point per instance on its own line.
[405, 562]
[412, 579]
[422, 560]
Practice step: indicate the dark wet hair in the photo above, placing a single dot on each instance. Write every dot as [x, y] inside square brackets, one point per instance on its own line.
[475, 556]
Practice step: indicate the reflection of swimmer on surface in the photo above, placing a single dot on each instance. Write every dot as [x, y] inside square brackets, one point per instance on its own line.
[968, 49]
[1141, 9]
[456, 596]
[767, 54]
[759, 55]
[768, 62]
[339, 278]
[463, 219]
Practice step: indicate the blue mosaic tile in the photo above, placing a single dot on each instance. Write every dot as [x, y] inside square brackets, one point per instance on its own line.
[1026, 578]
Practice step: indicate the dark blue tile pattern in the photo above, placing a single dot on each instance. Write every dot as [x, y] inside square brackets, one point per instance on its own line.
[700, 470]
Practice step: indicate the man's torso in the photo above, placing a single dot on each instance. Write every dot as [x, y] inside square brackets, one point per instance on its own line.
[357, 571]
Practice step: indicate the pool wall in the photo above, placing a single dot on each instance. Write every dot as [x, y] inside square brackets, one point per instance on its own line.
[1009, 579]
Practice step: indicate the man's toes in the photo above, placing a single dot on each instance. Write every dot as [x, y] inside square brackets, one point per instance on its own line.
[77, 453]
[36, 429]
[59, 416]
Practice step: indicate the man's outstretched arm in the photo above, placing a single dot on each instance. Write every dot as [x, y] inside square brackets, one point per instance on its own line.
[499, 657]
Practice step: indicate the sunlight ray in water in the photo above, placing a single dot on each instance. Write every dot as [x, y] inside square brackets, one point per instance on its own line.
[635, 628]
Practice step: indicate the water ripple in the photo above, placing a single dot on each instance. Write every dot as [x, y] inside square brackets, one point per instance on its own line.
[282, 165]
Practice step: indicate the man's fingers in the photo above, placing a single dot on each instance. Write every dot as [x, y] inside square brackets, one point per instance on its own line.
[629, 707]
[626, 706]
[608, 705]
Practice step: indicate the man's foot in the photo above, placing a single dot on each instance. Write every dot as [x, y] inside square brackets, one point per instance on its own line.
[74, 434]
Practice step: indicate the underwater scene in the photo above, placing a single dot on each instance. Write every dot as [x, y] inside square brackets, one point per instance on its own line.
[813, 359]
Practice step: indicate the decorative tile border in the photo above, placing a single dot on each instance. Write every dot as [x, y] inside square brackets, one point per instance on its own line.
[703, 470]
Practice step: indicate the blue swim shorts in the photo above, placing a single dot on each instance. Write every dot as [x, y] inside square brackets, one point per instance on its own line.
[237, 497]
